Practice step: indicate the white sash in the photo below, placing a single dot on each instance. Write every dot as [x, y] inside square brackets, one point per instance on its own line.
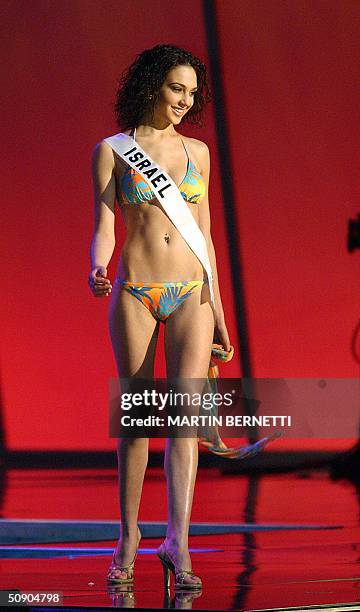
[168, 195]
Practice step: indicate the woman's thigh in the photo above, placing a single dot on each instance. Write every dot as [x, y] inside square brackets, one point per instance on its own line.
[134, 332]
[189, 333]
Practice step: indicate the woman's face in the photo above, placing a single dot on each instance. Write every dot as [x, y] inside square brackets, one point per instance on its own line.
[176, 94]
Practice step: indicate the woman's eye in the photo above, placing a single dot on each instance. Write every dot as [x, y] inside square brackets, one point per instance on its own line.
[177, 89]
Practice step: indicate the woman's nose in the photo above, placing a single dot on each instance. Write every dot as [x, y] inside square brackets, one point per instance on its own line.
[186, 99]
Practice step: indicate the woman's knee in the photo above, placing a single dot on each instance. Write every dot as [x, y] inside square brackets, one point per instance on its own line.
[129, 443]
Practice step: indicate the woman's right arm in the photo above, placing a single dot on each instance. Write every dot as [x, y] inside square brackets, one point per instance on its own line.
[103, 242]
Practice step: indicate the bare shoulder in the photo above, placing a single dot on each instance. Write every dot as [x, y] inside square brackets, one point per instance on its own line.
[199, 152]
[103, 154]
[198, 146]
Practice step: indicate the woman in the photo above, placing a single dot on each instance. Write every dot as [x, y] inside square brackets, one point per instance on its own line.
[164, 87]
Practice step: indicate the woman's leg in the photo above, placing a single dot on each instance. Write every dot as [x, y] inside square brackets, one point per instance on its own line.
[134, 333]
[188, 340]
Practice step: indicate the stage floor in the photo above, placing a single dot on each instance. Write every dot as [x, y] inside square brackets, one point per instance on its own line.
[260, 542]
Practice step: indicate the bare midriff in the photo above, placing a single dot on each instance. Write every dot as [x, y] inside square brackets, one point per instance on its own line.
[154, 250]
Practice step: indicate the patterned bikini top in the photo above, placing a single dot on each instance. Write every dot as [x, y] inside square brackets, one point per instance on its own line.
[134, 190]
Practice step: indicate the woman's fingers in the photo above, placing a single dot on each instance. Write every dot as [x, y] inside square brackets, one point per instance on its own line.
[99, 285]
[221, 335]
[102, 288]
[101, 281]
[100, 292]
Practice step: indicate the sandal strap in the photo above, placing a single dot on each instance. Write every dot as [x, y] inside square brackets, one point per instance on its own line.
[116, 566]
[181, 575]
[115, 569]
[120, 568]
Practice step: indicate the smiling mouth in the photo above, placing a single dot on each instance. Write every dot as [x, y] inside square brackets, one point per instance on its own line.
[178, 111]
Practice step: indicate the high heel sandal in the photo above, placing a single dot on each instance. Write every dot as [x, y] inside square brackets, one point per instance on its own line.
[128, 570]
[179, 575]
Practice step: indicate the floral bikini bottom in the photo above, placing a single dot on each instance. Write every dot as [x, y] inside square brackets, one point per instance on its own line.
[162, 299]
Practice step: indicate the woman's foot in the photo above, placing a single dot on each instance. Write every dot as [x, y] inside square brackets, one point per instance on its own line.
[178, 561]
[121, 570]
[127, 547]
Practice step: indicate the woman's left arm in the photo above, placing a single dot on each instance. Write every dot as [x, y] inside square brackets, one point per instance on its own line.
[220, 333]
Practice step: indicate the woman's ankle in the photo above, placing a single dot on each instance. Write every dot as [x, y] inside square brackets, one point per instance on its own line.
[174, 543]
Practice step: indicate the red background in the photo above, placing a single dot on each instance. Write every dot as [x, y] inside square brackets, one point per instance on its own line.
[291, 90]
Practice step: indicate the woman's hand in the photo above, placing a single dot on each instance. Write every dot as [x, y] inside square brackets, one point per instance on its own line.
[221, 335]
[98, 283]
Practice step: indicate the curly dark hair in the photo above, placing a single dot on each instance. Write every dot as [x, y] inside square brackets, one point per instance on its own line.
[144, 78]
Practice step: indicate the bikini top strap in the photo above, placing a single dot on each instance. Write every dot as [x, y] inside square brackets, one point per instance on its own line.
[187, 154]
